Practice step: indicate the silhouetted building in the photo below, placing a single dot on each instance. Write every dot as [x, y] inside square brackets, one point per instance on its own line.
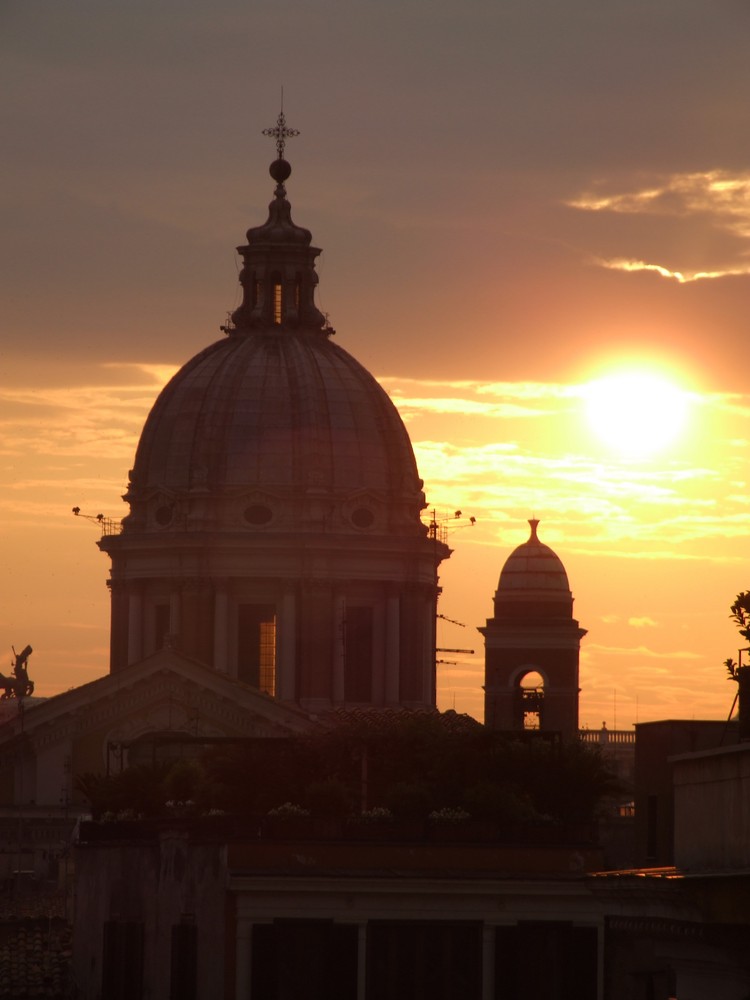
[532, 645]
[274, 569]
[274, 531]
[656, 746]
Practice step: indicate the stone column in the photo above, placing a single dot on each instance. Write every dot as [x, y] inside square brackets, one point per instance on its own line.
[175, 607]
[488, 962]
[119, 628]
[417, 682]
[378, 654]
[244, 960]
[286, 683]
[429, 652]
[339, 625]
[221, 627]
[392, 649]
[135, 623]
[361, 961]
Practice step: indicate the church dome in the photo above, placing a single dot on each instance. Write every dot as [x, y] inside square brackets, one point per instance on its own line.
[276, 426]
[283, 414]
[533, 582]
[275, 530]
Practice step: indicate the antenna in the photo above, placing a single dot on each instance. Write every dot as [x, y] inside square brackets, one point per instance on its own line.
[437, 529]
[452, 621]
[440, 525]
[108, 525]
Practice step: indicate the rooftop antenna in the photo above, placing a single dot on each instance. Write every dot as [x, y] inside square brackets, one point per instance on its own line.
[452, 621]
[438, 528]
[441, 524]
[108, 525]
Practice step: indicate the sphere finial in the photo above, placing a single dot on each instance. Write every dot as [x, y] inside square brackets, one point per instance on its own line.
[280, 170]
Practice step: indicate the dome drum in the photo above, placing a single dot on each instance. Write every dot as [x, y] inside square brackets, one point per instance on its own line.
[312, 510]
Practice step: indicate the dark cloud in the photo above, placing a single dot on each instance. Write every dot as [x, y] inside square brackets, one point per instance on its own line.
[439, 146]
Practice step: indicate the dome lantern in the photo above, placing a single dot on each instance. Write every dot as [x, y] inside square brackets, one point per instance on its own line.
[278, 275]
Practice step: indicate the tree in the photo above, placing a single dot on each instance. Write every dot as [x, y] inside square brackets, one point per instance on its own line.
[740, 613]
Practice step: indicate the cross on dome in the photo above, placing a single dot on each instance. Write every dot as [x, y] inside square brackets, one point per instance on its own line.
[281, 133]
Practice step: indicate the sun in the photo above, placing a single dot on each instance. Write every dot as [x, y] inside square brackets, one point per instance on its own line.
[637, 413]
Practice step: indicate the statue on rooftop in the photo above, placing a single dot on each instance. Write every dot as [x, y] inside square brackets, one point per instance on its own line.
[17, 685]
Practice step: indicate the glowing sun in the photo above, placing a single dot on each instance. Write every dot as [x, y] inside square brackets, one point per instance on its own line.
[636, 413]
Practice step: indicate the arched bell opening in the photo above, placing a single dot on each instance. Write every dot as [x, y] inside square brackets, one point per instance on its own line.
[528, 700]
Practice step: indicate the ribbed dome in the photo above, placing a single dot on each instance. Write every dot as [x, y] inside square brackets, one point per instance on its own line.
[275, 411]
[533, 580]
[533, 566]
[276, 426]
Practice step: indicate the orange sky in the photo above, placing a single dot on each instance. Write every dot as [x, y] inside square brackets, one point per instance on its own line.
[510, 204]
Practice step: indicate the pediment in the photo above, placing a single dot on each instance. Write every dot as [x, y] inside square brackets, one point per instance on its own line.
[165, 692]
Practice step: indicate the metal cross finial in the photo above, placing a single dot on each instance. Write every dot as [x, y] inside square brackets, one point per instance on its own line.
[281, 133]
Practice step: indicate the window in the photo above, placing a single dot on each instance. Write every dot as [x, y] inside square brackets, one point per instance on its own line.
[277, 310]
[183, 961]
[310, 959]
[546, 960]
[424, 958]
[256, 646]
[531, 692]
[122, 960]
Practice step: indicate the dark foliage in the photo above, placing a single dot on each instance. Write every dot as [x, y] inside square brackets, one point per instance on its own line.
[410, 763]
[740, 614]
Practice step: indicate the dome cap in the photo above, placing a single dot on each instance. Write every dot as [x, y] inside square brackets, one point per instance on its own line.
[533, 582]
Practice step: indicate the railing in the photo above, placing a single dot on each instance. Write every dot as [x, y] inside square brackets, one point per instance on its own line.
[605, 737]
[110, 526]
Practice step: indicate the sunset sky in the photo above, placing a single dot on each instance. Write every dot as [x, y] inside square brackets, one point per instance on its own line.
[515, 200]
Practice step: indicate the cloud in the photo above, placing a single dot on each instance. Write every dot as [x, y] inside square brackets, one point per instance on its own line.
[718, 193]
[468, 407]
[96, 420]
[470, 397]
[716, 200]
[681, 277]
[71, 445]
[644, 622]
[640, 652]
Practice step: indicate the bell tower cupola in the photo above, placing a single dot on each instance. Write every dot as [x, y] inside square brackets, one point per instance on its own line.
[532, 645]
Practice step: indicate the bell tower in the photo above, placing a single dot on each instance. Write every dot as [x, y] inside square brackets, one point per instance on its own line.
[532, 645]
